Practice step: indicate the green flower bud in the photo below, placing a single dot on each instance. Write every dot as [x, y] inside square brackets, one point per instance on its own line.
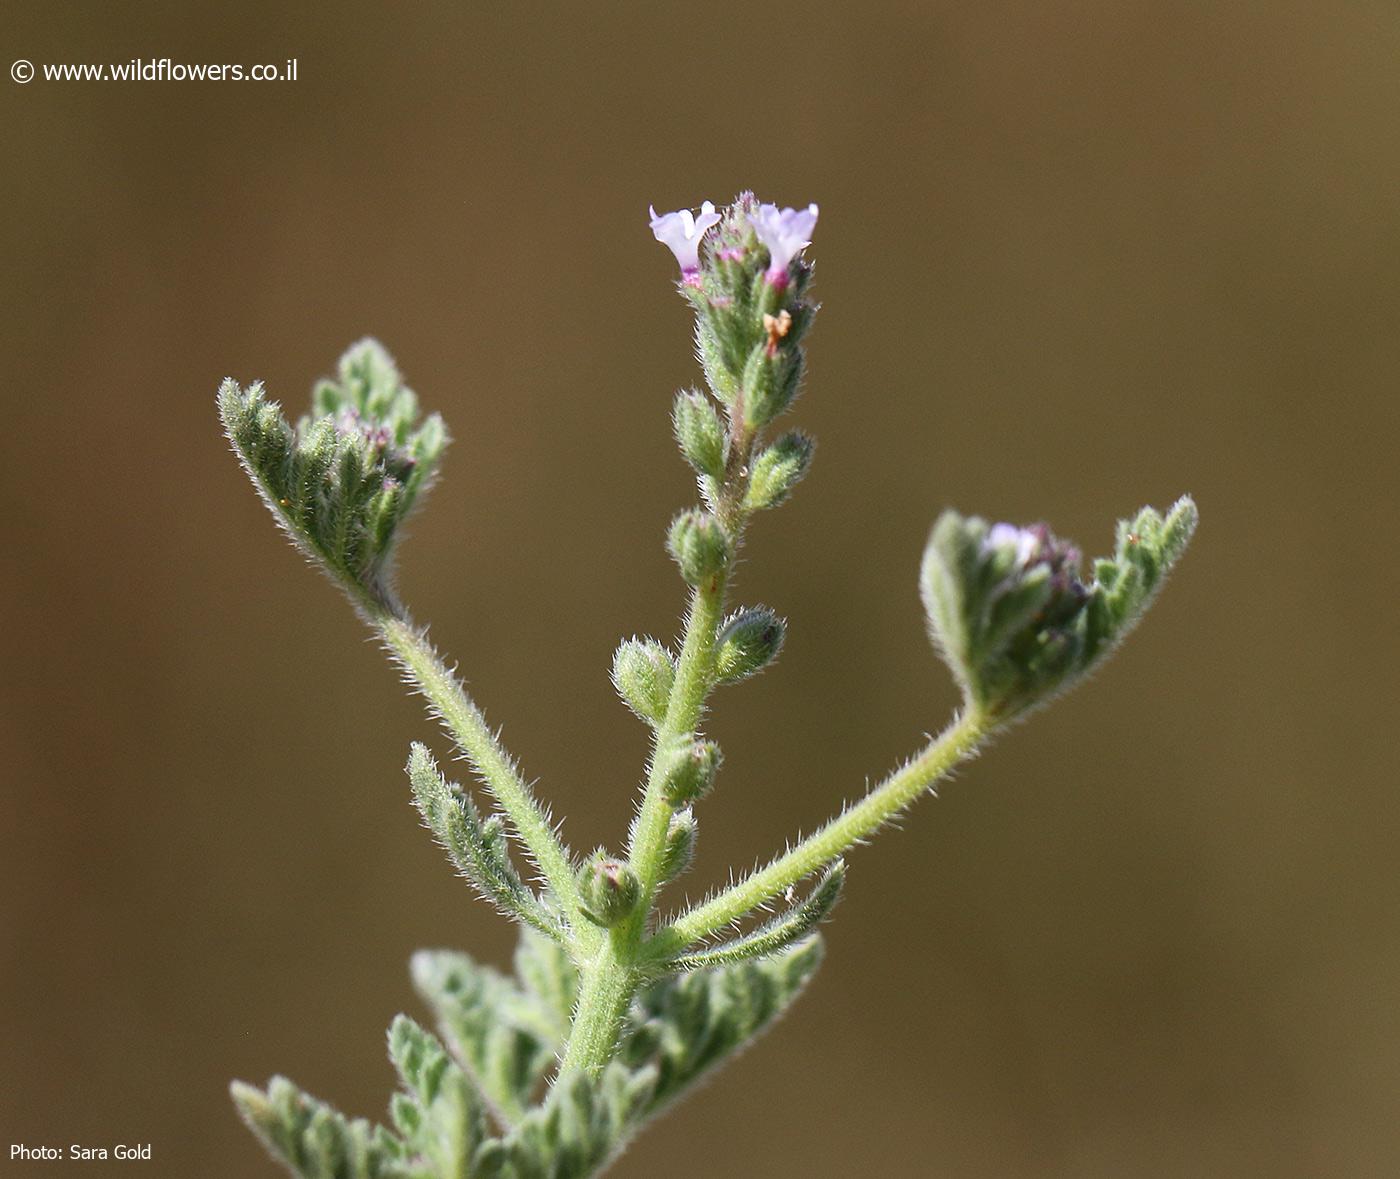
[779, 469]
[698, 544]
[772, 375]
[609, 889]
[690, 773]
[699, 433]
[749, 641]
[680, 844]
[643, 672]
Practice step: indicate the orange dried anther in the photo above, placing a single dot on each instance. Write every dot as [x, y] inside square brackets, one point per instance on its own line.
[777, 327]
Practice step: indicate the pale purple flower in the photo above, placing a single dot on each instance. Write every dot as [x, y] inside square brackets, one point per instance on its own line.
[1033, 547]
[682, 232]
[1008, 536]
[785, 232]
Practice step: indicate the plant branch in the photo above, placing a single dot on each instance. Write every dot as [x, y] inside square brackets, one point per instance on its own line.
[856, 823]
[464, 720]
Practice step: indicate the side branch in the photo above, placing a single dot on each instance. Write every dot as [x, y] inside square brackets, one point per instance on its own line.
[463, 719]
[854, 824]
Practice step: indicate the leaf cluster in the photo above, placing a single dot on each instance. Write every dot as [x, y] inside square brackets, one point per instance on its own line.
[465, 1107]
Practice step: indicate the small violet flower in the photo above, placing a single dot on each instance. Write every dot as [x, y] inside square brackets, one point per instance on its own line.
[1026, 541]
[1037, 546]
[682, 232]
[785, 232]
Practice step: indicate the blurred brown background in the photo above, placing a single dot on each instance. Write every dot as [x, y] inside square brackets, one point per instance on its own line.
[1075, 257]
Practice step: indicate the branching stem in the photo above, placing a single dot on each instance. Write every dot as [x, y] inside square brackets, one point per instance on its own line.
[611, 978]
[853, 825]
[468, 727]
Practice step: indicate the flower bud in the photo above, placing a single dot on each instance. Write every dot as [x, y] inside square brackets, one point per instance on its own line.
[748, 642]
[643, 673]
[690, 774]
[771, 379]
[609, 890]
[698, 545]
[699, 434]
[680, 844]
[779, 469]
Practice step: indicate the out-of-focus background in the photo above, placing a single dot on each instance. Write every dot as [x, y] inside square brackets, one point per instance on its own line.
[1074, 258]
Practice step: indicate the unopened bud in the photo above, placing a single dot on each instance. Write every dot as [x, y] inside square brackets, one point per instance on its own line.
[691, 773]
[778, 470]
[609, 890]
[680, 844]
[698, 545]
[771, 380]
[642, 673]
[699, 434]
[1013, 618]
[747, 643]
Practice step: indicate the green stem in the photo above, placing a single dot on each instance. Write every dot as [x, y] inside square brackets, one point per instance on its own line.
[467, 725]
[609, 981]
[850, 827]
[694, 678]
[606, 987]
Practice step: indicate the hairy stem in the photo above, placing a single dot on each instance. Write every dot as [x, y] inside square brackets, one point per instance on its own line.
[468, 727]
[606, 987]
[694, 678]
[854, 824]
[609, 981]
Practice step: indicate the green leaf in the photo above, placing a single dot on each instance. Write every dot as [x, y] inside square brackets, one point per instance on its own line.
[775, 934]
[315, 1141]
[569, 1136]
[686, 1025]
[477, 848]
[448, 1122]
[507, 1038]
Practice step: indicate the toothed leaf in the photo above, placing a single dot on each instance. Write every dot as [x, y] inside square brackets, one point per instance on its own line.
[777, 933]
[477, 848]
